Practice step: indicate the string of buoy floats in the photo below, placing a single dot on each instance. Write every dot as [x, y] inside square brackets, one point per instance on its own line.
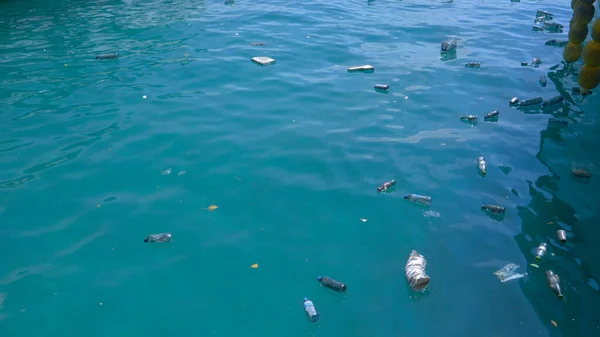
[583, 14]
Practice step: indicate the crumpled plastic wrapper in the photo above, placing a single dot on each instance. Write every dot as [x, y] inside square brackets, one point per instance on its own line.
[508, 273]
[415, 271]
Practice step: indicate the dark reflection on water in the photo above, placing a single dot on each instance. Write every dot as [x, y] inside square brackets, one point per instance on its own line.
[551, 208]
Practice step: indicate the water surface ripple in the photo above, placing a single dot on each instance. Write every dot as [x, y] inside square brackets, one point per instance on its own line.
[291, 154]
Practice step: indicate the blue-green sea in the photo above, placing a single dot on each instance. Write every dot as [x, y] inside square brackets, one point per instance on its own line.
[292, 155]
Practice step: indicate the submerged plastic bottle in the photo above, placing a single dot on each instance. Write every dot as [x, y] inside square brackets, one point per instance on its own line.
[332, 284]
[543, 80]
[541, 250]
[161, 237]
[493, 209]
[387, 185]
[554, 283]
[415, 271]
[311, 311]
[481, 165]
[514, 101]
[419, 199]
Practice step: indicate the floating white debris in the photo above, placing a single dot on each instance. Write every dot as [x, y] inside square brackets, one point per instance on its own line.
[508, 273]
[182, 173]
[263, 60]
[363, 219]
[362, 68]
[415, 271]
[144, 97]
[167, 172]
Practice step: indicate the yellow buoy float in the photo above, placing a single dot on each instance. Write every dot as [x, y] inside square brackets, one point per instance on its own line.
[589, 77]
[591, 54]
[578, 32]
[572, 52]
[584, 13]
[596, 30]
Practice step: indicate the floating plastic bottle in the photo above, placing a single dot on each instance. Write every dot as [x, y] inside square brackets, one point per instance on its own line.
[419, 199]
[387, 185]
[415, 271]
[493, 209]
[561, 234]
[311, 311]
[554, 283]
[161, 237]
[382, 87]
[514, 101]
[332, 284]
[473, 64]
[536, 62]
[448, 46]
[557, 43]
[554, 100]
[545, 14]
[469, 118]
[491, 115]
[107, 56]
[541, 251]
[481, 165]
[543, 80]
[553, 27]
[537, 28]
[532, 101]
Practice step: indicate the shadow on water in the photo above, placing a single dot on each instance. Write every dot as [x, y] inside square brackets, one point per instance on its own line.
[556, 203]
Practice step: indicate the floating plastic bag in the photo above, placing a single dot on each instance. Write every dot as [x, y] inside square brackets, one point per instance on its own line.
[508, 273]
[415, 271]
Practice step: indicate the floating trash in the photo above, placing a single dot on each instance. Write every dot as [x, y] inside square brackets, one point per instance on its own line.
[532, 101]
[469, 118]
[540, 251]
[543, 81]
[182, 172]
[419, 199]
[557, 43]
[161, 237]
[448, 46]
[363, 219]
[581, 171]
[387, 185]
[537, 28]
[545, 14]
[415, 271]
[311, 311]
[536, 62]
[534, 265]
[332, 284]
[493, 209]
[491, 115]
[166, 172]
[561, 234]
[212, 207]
[481, 165]
[553, 101]
[254, 266]
[365, 68]
[508, 273]
[473, 64]
[514, 101]
[382, 87]
[256, 44]
[554, 283]
[263, 60]
[107, 56]
[553, 27]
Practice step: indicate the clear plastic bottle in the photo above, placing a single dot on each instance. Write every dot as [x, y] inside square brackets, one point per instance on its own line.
[531, 101]
[554, 100]
[161, 237]
[491, 115]
[469, 118]
[419, 199]
[562, 235]
[514, 101]
[554, 283]
[448, 46]
[493, 209]
[541, 250]
[387, 185]
[311, 311]
[482, 165]
[332, 284]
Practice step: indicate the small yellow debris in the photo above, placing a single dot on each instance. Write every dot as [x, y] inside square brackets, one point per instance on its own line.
[554, 323]
[212, 207]
[254, 266]
[534, 265]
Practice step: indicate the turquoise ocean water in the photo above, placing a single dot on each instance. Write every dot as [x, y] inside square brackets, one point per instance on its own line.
[291, 154]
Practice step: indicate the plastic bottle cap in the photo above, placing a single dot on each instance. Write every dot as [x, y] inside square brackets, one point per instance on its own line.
[319, 278]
